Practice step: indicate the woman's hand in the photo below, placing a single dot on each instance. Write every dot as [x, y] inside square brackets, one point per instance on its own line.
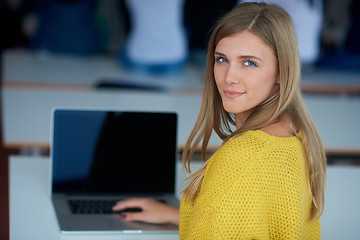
[152, 211]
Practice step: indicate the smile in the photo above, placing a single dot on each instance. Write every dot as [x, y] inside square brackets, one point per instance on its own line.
[233, 94]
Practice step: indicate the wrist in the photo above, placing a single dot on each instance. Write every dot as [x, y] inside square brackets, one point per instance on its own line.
[174, 216]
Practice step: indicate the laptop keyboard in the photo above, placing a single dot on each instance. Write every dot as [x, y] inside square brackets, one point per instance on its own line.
[97, 206]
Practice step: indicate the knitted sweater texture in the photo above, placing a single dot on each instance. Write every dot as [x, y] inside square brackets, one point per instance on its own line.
[255, 187]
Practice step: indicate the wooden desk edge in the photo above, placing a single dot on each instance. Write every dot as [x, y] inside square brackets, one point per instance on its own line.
[46, 145]
[180, 91]
[210, 149]
[46, 86]
[307, 88]
[331, 88]
[24, 145]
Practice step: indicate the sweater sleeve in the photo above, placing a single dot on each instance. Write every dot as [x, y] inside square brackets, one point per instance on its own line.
[269, 199]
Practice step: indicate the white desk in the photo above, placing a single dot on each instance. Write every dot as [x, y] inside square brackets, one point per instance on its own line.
[26, 114]
[328, 81]
[341, 216]
[22, 68]
[31, 212]
[32, 215]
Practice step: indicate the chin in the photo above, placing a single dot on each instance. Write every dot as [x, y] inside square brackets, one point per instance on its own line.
[232, 110]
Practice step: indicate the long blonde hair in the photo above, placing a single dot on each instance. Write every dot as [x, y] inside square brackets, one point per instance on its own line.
[275, 27]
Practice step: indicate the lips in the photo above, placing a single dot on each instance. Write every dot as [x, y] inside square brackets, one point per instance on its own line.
[233, 94]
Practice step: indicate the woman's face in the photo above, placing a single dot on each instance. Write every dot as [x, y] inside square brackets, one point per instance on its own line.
[245, 72]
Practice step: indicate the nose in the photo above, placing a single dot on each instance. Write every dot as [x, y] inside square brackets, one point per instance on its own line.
[232, 75]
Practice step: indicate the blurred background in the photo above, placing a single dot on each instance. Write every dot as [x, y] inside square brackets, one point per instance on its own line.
[328, 27]
[156, 45]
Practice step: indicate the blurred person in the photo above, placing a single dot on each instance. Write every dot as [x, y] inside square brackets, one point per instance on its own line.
[66, 26]
[157, 41]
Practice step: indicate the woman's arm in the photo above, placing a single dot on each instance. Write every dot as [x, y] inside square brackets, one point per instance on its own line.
[152, 211]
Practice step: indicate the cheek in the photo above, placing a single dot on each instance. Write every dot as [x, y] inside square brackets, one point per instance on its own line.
[217, 77]
[269, 87]
[261, 86]
[219, 74]
[216, 73]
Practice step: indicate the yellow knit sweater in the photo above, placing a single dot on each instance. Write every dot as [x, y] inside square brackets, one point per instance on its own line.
[255, 187]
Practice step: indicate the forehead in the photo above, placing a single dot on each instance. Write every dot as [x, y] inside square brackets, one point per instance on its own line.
[244, 43]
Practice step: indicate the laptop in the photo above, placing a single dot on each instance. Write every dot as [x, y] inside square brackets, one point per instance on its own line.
[100, 157]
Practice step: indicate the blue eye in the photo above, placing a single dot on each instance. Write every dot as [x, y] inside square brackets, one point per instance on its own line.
[250, 63]
[220, 59]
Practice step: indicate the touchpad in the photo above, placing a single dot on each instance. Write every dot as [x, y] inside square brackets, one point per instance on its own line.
[116, 223]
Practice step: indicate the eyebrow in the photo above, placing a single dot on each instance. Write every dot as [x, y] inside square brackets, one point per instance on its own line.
[241, 56]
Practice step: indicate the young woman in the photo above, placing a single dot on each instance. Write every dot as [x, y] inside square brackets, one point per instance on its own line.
[267, 180]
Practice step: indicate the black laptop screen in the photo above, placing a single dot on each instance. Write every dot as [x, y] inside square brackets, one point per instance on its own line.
[113, 152]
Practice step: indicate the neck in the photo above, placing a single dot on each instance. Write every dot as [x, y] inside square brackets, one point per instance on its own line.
[240, 119]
